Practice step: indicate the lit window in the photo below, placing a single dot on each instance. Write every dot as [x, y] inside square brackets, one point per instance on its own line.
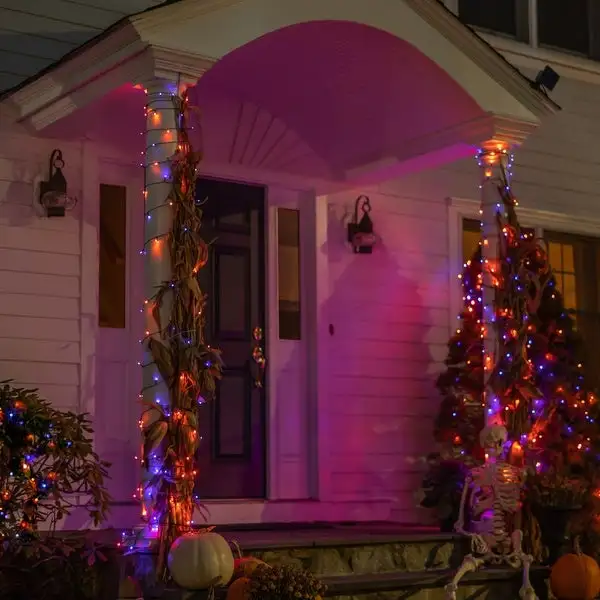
[575, 262]
[471, 236]
[561, 256]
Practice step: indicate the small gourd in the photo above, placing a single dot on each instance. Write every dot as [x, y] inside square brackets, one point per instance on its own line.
[244, 567]
[575, 576]
[239, 589]
[198, 561]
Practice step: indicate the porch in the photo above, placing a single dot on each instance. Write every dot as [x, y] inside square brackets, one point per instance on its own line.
[308, 104]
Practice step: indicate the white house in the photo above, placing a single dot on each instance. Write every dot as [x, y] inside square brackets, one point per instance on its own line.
[304, 106]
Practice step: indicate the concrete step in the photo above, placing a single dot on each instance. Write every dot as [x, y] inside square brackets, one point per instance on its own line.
[487, 584]
[375, 561]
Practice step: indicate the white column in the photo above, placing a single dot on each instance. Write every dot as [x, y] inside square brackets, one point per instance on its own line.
[493, 162]
[161, 144]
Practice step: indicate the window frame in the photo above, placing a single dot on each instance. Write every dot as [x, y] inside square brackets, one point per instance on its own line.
[584, 226]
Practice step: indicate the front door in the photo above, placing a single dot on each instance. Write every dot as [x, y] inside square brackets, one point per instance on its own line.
[232, 452]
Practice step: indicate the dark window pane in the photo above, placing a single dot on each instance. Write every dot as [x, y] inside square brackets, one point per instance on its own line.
[496, 15]
[112, 268]
[288, 251]
[564, 24]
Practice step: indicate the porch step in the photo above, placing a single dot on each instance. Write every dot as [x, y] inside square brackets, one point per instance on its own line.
[487, 584]
[362, 562]
[346, 549]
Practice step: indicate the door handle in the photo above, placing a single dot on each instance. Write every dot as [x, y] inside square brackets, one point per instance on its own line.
[258, 356]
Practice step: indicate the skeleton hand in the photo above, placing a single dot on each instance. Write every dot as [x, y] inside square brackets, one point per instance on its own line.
[450, 590]
[527, 593]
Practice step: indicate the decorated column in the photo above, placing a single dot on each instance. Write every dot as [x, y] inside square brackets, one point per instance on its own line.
[493, 160]
[161, 144]
[179, 367]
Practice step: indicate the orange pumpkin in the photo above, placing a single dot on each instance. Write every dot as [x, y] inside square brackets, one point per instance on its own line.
[239, 589]
[575, 577]
[244, 567]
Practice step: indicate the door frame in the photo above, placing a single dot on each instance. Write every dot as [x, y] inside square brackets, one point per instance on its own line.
[309, 268]
[314, 282]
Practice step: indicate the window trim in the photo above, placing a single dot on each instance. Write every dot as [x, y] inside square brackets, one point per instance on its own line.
[466, 208]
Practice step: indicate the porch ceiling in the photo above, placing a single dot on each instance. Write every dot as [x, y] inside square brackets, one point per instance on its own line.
[331, 89]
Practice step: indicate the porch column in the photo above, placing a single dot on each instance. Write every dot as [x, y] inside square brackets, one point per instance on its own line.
[161, 144]
[493, 160]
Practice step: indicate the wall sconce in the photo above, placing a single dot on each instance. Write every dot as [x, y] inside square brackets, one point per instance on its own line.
[53, 195]
[360, 232]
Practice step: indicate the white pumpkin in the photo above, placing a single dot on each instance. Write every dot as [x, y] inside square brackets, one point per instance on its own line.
[199, 560]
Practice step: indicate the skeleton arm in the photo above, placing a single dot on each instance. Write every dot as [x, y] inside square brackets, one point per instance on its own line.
[459, 526]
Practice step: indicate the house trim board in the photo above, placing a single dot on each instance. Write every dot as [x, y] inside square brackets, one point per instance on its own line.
[51, 91]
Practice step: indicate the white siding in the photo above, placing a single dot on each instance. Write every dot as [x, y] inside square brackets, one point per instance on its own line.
[34, 34]
[39, 276]
[391, 310]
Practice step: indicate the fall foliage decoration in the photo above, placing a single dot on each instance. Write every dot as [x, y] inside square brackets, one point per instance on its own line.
[187, 365]
[538, 382]
[47, 465]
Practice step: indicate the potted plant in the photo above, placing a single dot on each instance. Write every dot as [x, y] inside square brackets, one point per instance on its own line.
[555, 498]
[442, 487]
[47, 469]
[284, 582]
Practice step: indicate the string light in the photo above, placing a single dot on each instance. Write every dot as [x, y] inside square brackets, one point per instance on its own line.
[532, 380]
[178, 368]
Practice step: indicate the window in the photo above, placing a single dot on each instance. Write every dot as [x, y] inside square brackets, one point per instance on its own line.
[568, 25]
[112, 251]
[288, 255]
[575, 261]
[509, 17]
[471, 235]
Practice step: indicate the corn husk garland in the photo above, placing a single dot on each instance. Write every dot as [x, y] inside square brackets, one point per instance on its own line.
[187, 364]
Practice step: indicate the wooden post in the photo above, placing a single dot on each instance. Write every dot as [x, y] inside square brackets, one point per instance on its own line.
[161, 144]
[493, 160]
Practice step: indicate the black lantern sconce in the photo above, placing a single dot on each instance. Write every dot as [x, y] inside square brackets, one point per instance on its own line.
[53, 193]
[360, 232]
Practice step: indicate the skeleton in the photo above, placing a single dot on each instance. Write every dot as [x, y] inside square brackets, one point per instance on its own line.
[496, 539]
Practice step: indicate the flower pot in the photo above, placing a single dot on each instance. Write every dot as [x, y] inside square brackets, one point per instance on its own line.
[554, 527]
